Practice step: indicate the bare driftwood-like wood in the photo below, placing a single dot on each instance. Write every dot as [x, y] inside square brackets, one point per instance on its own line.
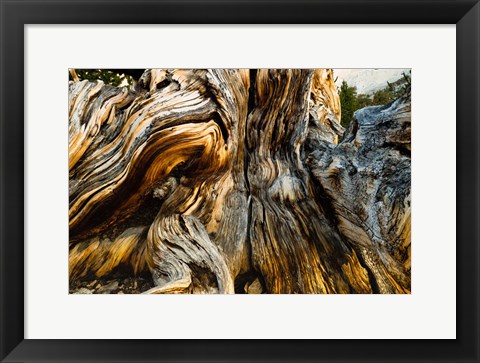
[233, 180]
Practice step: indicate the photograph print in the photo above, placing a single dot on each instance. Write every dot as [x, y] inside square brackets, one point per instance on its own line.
[239, 181]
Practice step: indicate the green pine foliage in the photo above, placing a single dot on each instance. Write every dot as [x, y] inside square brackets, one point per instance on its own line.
[348, 102]
[108, 77]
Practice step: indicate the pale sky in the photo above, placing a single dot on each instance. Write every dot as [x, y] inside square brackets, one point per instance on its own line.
[368, 80]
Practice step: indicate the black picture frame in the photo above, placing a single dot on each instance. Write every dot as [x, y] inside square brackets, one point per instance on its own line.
[15, 14]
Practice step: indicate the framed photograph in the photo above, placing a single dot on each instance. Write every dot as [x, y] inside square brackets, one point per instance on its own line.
[239, 181]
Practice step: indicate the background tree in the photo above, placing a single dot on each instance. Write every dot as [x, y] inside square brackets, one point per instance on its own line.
[383, 96]
[362, 101]
[351, 101]
[348, 100]
[112, 77]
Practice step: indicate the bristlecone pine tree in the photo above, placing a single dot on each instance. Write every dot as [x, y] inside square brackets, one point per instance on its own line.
[234, 181]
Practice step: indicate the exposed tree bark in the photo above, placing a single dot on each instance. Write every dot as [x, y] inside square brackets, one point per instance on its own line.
[223, 181]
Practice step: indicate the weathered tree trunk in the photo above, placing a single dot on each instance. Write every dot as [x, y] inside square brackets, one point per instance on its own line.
[223, 181]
